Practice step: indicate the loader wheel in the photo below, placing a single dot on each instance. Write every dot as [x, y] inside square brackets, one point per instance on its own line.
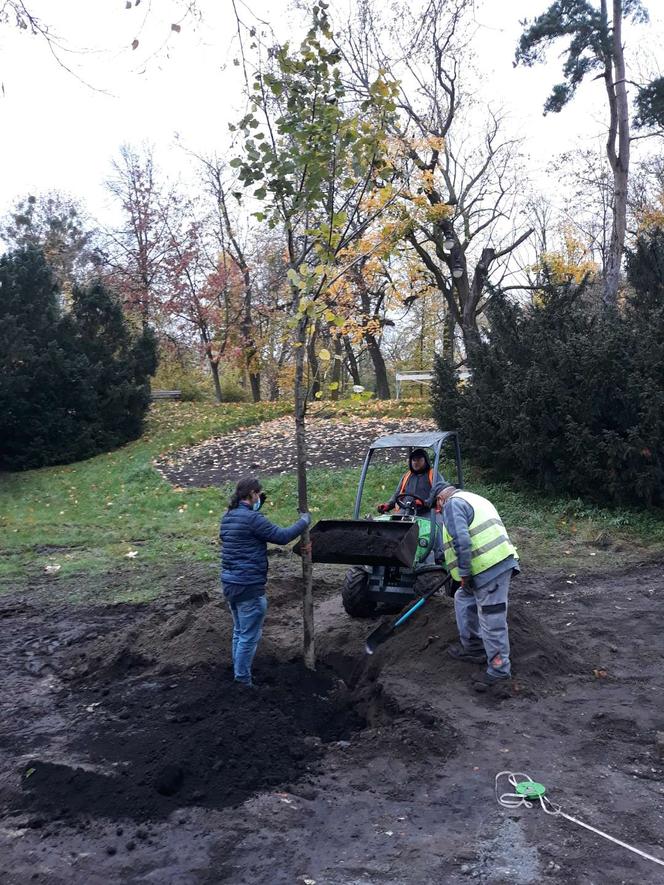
[429, 580]
[354, 594]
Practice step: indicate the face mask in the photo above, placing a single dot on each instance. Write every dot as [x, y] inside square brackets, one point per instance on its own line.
[257, 505]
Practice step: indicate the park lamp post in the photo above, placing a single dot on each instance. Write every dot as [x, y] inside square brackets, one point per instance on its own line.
[448, 235]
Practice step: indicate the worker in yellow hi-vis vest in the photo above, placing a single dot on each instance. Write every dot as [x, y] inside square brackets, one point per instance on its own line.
[480, 556]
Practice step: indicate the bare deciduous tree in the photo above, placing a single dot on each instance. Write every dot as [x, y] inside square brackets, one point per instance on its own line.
[137, 249]
[464, 182]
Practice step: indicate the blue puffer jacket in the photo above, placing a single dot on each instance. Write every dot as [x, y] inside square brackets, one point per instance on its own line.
[244, 535]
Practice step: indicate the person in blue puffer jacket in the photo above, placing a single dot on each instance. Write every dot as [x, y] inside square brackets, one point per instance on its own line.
[244, 534]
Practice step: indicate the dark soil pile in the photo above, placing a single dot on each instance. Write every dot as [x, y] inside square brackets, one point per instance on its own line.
[540, 658]
[174, 637]
[200, 740]
[174, 634]
[364, 542]
[268, 449]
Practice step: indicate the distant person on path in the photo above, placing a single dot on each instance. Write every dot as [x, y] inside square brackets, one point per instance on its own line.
[480, 556]
[245, 534]
[420, 481]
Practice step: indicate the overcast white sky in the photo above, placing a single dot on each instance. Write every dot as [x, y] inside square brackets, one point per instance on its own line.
[58, 133]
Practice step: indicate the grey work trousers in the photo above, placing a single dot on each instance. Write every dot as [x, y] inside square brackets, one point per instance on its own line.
[481, 617]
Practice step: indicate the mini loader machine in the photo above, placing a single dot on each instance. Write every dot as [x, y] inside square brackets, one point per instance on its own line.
[390, 554]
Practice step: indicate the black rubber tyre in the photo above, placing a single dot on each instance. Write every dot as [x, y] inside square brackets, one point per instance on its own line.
[354, 594]
[429, 580]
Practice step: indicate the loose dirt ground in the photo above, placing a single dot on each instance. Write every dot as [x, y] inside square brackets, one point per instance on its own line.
[128, 756]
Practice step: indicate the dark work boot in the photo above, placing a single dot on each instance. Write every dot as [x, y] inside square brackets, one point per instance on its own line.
[459, 653]
[501, 686]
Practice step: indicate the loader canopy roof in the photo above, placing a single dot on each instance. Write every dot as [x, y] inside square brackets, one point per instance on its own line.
[428, 439]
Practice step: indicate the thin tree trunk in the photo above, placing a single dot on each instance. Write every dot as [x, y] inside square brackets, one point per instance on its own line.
[380, 370]
[335, 375]
[352, 361]
[314, 366]
[309, 650]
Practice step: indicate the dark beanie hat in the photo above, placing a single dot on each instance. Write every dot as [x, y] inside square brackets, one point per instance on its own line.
[419, 453]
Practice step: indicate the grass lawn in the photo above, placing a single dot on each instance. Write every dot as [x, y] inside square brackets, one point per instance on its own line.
[87, 517]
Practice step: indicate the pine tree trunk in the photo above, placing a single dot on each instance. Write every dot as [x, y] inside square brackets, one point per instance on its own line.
[309, 650]
[618, 159]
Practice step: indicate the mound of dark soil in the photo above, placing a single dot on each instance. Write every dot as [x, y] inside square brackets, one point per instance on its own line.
[199, 739]
[538, 652]
[540, 657]
[174, 634]
[173, 637]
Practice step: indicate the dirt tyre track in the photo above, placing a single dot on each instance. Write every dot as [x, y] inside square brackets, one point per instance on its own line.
[354, 594]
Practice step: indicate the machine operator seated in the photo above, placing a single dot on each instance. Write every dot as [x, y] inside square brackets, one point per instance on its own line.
[420, 481]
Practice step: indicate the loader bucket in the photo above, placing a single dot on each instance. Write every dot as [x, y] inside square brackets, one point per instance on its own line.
[364, 542]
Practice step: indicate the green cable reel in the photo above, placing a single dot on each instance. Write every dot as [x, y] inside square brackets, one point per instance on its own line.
[530, 789]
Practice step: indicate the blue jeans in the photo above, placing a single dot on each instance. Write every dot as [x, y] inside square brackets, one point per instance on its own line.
[481, 617]
[248, 620]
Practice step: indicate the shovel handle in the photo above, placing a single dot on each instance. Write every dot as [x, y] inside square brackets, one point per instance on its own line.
[384, 631]
[411, 611]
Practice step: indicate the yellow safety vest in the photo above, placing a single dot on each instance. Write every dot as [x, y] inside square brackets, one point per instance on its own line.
[489, 541]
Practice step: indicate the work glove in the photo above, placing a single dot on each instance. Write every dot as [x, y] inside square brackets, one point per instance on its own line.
[384, 508]
[467, 582]
[306, 517]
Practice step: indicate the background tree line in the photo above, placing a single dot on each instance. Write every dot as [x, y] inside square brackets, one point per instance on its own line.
[437, 226]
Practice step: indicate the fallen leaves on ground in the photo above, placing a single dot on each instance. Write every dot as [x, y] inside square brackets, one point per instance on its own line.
[269, 449]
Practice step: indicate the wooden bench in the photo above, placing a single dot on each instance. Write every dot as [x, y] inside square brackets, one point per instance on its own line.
[165, 394]
[417, 377]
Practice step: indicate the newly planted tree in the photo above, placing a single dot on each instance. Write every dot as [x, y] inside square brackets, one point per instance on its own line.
[311, 153]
